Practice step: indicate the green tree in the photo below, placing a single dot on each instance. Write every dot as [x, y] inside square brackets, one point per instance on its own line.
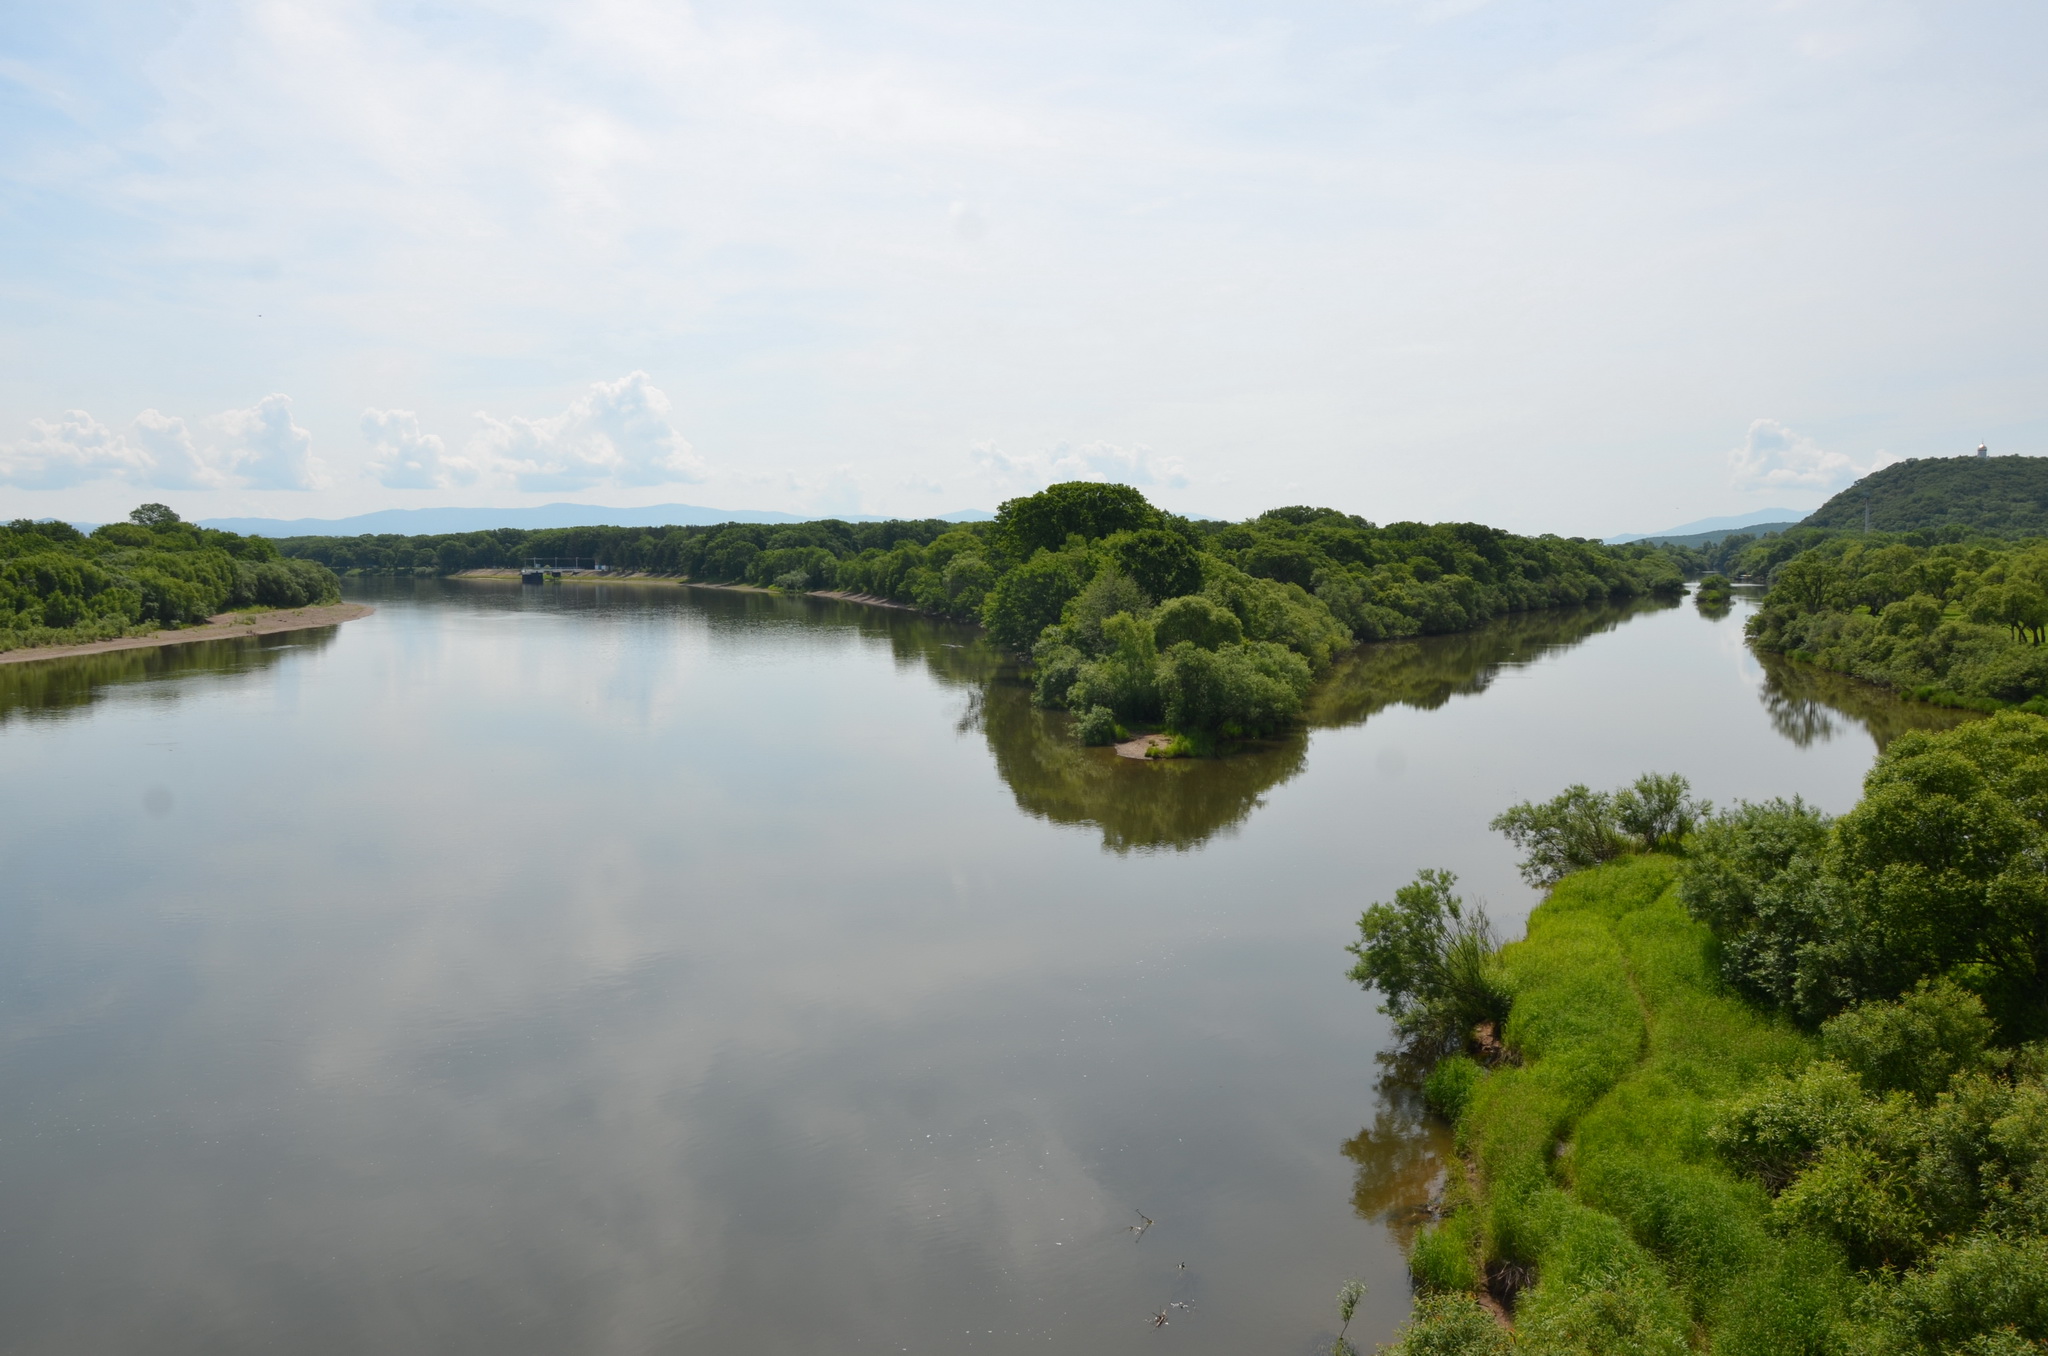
[1432, 959]
[153, 516]
[1569, 832]
[1075, 508]
[1030, 598]
[1165, 563]
[1198, 621]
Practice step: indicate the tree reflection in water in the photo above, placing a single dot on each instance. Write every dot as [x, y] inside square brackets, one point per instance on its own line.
[1180, 804]
[51, 688]
[1807, 704]
[1399, 1160]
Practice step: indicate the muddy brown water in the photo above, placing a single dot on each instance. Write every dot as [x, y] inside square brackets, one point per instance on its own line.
[642, 969]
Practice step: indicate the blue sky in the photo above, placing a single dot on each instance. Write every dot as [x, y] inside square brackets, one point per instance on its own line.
[1571, 267]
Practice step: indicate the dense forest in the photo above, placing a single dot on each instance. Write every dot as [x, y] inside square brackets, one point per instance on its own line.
[1134, 617]
[60, 586]
[2001, 496]
[1957, 622]
[1757, 1081]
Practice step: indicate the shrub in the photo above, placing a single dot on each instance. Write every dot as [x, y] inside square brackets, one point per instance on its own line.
[1432, 960]
[1914, 1045]
[1250, 689]
[1096, 726]
[1569, 832]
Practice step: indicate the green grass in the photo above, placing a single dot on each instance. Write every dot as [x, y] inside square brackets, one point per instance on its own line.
[1593, 1161]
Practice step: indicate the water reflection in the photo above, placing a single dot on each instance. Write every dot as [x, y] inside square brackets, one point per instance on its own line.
[1809, 705]
[1181, 804]
[1399, 1160]
[51, 688]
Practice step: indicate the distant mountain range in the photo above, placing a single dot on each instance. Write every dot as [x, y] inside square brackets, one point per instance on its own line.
[1713, 529]
[416, 522]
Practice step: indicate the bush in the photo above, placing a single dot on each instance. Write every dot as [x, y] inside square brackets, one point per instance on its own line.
[1579, 828]
[1914, 1045]
[1569, 832]
[1096, 726]
[1250, 689]
[1432, 960]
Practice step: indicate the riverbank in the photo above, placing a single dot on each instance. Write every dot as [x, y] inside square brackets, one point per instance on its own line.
[226, 626]
[650, 576]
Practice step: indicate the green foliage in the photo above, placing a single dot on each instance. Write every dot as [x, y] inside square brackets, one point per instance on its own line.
[1656, 810]
[153, 516]
[1935, 872]
[1096, 726]
[1077, 508]
[1199, 621]
[2003, 495]
[1164, 564]
[1579, 828]
[1752, 875]
[1126, 679]
[58, 586]
[1956, 621]
[1433, 961]
[1028, 599]
[1441, 1257]
[1671, 1166]
[1449, 1086]
[1250, 689]
[1110, 592]
[1915, 1045]
[1450, 1325]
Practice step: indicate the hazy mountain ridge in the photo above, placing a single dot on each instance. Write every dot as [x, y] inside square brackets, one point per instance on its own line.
[426, 521]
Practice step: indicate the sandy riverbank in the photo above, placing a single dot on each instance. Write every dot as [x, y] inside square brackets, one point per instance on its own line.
[227, 626]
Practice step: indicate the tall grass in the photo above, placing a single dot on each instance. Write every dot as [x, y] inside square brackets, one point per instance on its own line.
[1596, 1171]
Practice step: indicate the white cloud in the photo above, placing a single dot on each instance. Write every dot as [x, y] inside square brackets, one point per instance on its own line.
[70, 451]
[258, 448]
[1138, 465]
[619, 432]
[1774, 457]
[409, 458]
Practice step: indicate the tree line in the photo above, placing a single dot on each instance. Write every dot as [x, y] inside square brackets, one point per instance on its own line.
[61, 586]
[1962, 622]
[1135, 618]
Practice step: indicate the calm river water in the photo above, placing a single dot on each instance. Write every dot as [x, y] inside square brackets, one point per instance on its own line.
[611, 969]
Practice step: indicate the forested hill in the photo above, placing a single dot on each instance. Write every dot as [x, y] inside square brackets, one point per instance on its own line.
[2006, 496]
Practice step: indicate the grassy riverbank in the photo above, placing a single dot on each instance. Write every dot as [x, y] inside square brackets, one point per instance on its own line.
[1760, 1081]
[1592, 1167]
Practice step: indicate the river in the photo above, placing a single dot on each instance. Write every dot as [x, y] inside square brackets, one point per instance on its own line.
[619, 969]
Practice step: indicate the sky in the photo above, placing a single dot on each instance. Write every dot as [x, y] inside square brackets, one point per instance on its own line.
[1566, 266]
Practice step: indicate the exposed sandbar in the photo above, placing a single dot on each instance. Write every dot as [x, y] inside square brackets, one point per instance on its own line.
[226, 626]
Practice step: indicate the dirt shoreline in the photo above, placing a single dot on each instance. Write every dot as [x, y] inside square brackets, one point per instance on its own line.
[638, 576]
[226, 626]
